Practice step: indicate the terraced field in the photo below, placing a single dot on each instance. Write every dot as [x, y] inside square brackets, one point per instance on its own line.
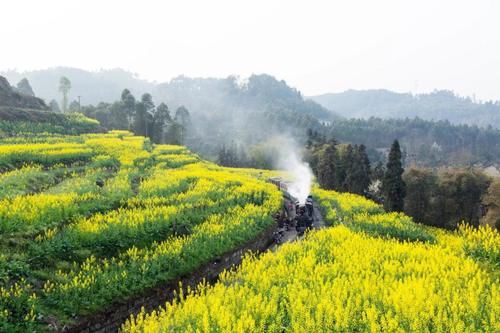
[91, 219]
[370, 271]
[88, 220]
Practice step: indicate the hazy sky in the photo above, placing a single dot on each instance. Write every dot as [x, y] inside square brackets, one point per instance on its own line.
[316, 46]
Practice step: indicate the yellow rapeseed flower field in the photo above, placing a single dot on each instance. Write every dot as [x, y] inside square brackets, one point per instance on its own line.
[90, 220]
[370, 272]
[125, 216]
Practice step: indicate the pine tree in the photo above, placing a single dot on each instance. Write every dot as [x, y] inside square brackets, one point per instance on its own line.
[346, 172]
[393, 186]
[361, 171]
[326, 167]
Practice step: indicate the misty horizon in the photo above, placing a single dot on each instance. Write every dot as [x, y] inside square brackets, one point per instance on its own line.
[8, 73]
[319, 48]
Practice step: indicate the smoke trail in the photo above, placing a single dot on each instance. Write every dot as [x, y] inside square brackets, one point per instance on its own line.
[291, 161]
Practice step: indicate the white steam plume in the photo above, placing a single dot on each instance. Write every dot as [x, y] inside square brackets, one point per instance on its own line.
[291, 161]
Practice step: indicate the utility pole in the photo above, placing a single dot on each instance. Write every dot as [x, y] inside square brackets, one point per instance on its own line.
[79, 105]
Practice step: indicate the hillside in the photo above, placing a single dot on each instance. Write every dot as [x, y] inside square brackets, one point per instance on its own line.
[87, 221]
[97, 222]
[438, 105]
[257, 93]
[23, 115]
[226, 111]
[370, 272]
[15, 122]
[11, 98]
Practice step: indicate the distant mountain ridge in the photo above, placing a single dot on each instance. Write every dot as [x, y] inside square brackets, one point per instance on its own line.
[438, 105]
[107, 85]
[259, 91]
[246, 113]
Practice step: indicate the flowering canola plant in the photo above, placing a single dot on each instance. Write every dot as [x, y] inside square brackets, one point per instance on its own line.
[357, 276]
[128, 215]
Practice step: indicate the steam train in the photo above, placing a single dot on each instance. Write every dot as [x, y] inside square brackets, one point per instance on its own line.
[291, 203]
[280, 183]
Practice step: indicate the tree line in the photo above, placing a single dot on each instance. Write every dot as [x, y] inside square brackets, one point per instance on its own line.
[425, 143]
[142, 116]
[436, 197]
[347, 168]
[444, 198]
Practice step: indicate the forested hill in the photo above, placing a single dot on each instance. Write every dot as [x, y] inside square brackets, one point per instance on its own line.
[259, 92]
[262, 92]
[248, 112]
[223, 110]
[425, 143]
[438, 105]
